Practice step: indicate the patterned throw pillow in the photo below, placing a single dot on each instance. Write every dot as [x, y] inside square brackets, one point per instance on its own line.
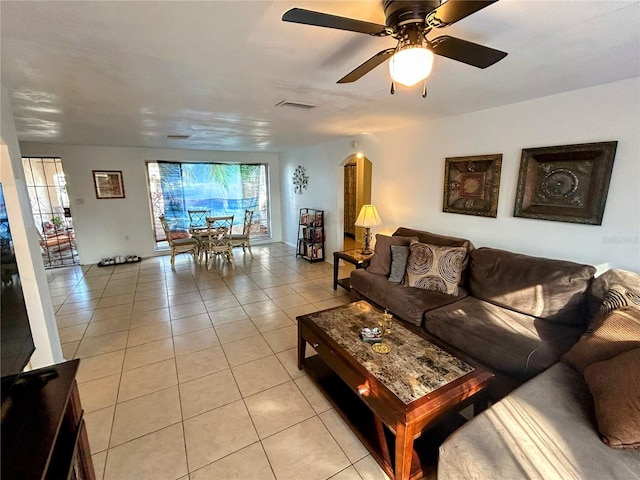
[617, 296]
[615, 386]
[435, 268]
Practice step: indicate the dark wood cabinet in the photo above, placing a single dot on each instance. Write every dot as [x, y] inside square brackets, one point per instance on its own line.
[43, 431]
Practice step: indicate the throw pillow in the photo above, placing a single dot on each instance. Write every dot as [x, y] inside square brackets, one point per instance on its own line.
[399, 257]
[616, 297]
[381, 261]
[617, 333]
[435, 268]
[615, 386]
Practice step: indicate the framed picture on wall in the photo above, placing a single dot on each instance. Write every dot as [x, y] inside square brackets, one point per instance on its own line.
[108, 184]
[566, 183]
[471, 185]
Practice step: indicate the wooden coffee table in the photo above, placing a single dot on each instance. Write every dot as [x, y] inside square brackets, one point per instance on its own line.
[411, 392]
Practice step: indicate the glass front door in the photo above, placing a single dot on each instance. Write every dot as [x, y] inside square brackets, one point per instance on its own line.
[47, 189]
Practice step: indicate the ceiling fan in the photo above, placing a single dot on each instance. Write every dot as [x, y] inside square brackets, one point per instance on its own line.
[409, 22]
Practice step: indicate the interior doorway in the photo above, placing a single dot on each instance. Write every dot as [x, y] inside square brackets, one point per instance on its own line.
[47, 190]
[357, 192]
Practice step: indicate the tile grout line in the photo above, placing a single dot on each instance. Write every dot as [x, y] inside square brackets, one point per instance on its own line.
[201, 283]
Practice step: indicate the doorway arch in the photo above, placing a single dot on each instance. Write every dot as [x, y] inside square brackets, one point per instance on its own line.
[354, 191]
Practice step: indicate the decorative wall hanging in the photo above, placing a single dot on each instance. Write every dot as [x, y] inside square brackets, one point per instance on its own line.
[566, 183]
[471, 185]
[108, 184]
[300, 179]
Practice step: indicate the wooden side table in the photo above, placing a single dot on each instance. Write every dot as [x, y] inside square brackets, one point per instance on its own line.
[354, 257]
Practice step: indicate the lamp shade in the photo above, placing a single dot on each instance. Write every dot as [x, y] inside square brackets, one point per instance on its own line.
[411, 64]
[368, 217]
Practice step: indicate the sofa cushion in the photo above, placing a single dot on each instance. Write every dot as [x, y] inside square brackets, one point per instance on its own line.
[511, 342]
[434, 267]
[406, 303]
[399, 257]
[602, 283]
[543, 430]
[381, 261]
[617, 333]
[615, 386]
[433, 238]
[544, 288]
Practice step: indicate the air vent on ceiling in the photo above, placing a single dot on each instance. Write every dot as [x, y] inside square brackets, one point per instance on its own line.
[178, 137]
[303, 106]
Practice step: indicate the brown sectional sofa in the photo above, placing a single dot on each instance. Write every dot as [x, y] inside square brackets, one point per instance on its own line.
[524, 312]
[516, 315]
[549, 428]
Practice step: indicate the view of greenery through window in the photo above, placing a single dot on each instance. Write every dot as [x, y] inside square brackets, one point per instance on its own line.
[220, 188]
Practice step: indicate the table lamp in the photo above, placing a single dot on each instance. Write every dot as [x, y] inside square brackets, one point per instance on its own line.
[368, 218]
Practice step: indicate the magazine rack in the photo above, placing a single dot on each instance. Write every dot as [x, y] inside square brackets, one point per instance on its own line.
[311, 234]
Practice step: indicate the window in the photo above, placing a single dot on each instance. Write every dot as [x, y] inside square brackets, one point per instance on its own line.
[47, 190]
[220, 188]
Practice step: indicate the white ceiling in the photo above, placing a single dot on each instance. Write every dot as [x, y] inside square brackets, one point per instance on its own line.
[130, 73]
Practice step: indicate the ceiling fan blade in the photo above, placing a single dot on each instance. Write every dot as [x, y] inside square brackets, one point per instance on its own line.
[455, 10]
[466, 52]
[367, 66]
[308, 17]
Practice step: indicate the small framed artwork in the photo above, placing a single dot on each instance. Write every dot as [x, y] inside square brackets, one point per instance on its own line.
[567, 183]
[108, 184]
[472, 184]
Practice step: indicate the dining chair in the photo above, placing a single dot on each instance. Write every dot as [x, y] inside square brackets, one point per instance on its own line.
[219, 238]
[198, 227]
[243, 239]
[180, 245]
[197, 218]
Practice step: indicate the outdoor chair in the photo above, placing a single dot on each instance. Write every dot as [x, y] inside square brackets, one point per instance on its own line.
[52, 242]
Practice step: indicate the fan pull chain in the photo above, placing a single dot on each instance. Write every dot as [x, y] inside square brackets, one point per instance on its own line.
[424, 89]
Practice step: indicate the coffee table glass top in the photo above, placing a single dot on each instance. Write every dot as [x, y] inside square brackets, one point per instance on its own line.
[412, 369]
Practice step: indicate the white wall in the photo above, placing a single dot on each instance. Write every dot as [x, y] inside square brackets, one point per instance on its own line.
[322, 166]
[102, 226]
[408, 173]
[32, 275]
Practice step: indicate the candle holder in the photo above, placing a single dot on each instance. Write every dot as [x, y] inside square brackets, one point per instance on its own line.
[385, 328]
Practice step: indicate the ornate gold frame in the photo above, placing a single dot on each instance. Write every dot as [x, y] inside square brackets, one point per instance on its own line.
[472, 184]
[567, 183]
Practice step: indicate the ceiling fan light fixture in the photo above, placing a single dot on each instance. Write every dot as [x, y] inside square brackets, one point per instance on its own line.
[411, 64]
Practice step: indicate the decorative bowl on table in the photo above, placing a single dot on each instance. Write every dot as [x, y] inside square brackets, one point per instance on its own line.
[371, 335]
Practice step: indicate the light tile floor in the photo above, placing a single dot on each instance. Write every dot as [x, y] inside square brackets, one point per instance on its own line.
[191, 374]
